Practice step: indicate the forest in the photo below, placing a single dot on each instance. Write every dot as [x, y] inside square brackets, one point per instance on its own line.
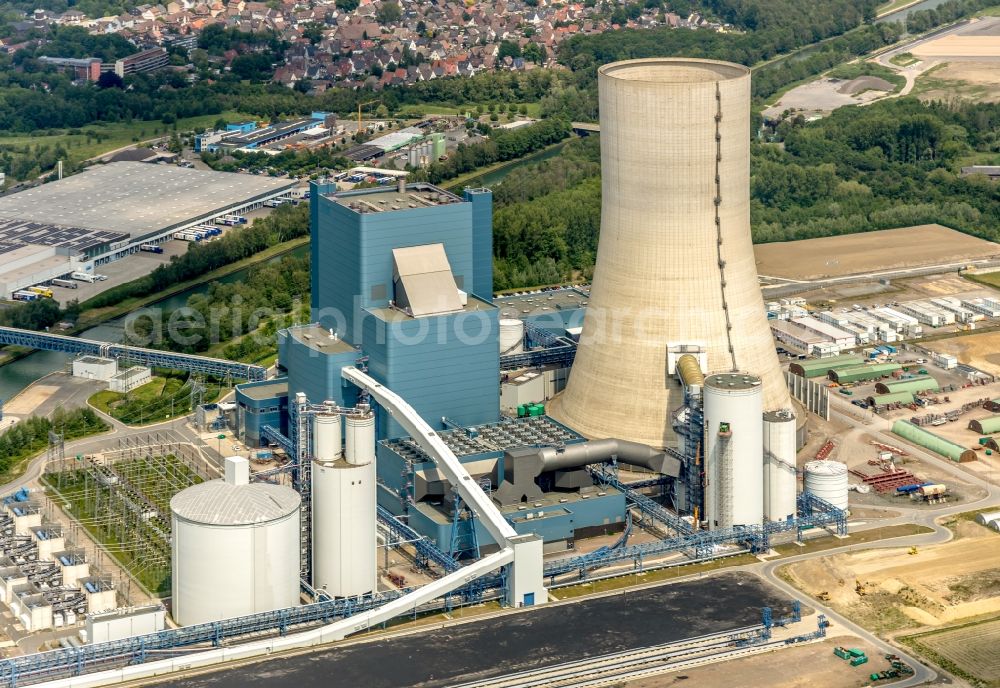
[246, 314]
[891, 164]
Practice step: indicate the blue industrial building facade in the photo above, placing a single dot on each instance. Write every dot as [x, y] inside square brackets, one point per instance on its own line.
[259, 404]
[445, 366]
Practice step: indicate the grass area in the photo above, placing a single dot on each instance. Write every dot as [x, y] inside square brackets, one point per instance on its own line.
[634, 578]
[874, 535]
[96, 139]
[929, 82]
[967, 650]
[160, 399]
[135, 531]
[903, 59]
[990, 12]
[990, 279]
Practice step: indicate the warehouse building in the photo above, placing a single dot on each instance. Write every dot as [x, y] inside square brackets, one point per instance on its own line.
[108, 211]
[843, 340]
[914, 385]
[863, 373]
[985, 426]
[803, 339]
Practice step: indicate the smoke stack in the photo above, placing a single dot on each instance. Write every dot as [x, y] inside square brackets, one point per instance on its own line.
[401, 185]
[675, 261]
[59, 170]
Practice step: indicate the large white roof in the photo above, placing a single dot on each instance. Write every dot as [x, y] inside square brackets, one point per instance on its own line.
[219, 503]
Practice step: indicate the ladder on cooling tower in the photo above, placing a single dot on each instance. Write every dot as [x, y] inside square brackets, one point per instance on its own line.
[724, 491]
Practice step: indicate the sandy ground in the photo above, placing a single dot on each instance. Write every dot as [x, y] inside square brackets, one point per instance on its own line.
[979, 350]
[26, 402]
[778, 670]
[957, 46]
[856, 253]
[968, 79]
[825, 95]
[891, 589]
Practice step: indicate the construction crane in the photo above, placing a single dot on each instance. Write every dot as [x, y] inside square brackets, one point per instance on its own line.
[361, 105]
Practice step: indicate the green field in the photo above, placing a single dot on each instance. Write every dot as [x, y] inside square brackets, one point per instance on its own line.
[903, 59]
[97, 139]
[968, 651]
[160, 399]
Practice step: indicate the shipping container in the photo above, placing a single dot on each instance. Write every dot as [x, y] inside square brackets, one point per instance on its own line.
[25, 296]
[67, 284]
[151, 248]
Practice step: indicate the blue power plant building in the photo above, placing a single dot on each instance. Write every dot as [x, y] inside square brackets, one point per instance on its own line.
[402, 286]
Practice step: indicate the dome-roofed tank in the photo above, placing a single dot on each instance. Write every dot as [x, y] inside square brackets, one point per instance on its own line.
[235, 547]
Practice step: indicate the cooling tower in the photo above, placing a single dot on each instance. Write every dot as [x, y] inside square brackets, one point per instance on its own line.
[675, 264]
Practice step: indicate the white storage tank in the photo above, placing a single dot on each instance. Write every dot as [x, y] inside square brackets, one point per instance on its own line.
[511, 336]
[235, 547]
[828, 481]
[344, 516]
[779, 465]
[734, 450]
[327, 436]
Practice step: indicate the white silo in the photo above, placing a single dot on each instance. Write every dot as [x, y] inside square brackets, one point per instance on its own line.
[734, 450]
[826, 480]
[327, 437]
[343, 513]
[511, 336]
[235, 547]
[779, 465]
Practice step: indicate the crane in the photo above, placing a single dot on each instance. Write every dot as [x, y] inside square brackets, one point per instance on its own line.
[361, 105]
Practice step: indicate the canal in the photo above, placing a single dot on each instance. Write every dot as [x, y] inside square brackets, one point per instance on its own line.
[901, 15]
[15, 376]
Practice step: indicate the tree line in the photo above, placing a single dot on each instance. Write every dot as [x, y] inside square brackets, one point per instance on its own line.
[31, 435]
[501, 146]
[891, 164]
[284, 224]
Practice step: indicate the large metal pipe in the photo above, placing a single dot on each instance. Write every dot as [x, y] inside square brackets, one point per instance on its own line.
[596, 451]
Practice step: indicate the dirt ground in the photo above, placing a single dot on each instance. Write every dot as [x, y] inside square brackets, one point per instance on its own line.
[979, 350]
[825, 95]
[778, 670]
[972, 79]
[892, 589]
[957, 46]
[869, 251]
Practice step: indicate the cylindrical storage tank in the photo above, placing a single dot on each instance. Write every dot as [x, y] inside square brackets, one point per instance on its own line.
[734, 450]
[779, 465]
[511, 336]
[235, 547]
[359, 436]
[828, 481]
[344, 515]
[327, 437]
[675, 181]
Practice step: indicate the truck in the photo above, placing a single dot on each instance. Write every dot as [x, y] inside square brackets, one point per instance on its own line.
[23, 295]
[151, 248]
[83, 277]
[187, 236]
[42, 291]
[65, 283]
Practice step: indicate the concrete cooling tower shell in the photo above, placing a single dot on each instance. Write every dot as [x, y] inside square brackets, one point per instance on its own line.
[675, 263]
